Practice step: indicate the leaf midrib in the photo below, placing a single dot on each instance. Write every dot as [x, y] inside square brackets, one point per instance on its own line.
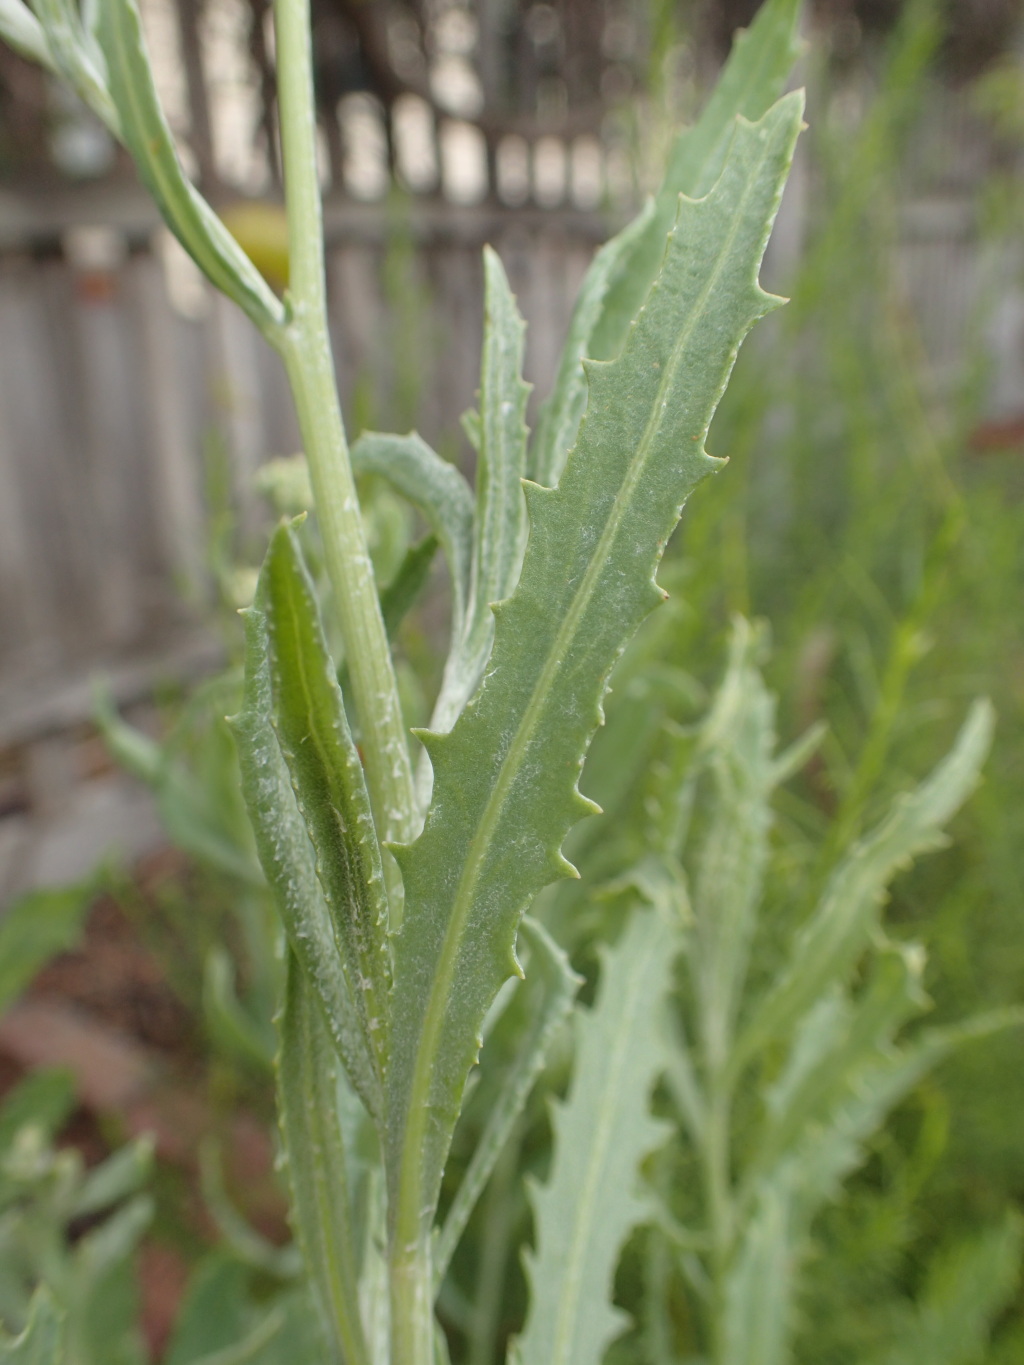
[567, 1315]
[415, 1123]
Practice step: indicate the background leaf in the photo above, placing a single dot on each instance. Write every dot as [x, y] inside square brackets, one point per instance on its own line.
[35, 928]
[602, 1133]
[315, 1152]
[551, 987]
[42, 1342]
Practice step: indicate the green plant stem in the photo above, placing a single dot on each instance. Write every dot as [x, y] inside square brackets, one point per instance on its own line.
[905, 652]
[305, 347]
[715, 1157]
[412, 1304]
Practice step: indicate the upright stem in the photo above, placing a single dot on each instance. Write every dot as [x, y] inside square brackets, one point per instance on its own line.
[412, 1305]
[306, 349]
[715, 1156]
[305, 346]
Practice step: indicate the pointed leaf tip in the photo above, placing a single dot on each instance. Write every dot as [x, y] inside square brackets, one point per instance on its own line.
[504, 786]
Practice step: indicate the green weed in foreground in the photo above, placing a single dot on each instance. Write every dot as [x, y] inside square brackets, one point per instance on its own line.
[734, 1062]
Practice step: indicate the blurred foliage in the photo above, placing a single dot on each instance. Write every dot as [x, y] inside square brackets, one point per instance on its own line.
[886, 557]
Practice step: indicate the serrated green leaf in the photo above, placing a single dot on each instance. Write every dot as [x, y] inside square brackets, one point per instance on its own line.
[149, 139]
[829, 1153]
[753, 78]
[433, 486]
[309, 720]
[551, 985]
[505, 778]
[624, 268]
[760, 1282]
[315, 1153]
[736, 747]
[289, 863]
[602, 1132]
[42, 1341]
[500, 519]
[833, 1045]
[838, 930]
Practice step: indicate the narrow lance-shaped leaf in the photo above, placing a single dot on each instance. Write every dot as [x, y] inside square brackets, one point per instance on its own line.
[835, 1043]
[505, 778]
[408, 584]
[967, 1287]
[114, 1179]
[77, 57]
[552, 985]
[42, 1342]
[190, 813]
[252, 1349]
[35, 928]
[308, 1100]
[230, 1024]
[562, 411]
[289, 863]
[603, 1131]
[327, 777]
[755, 76]
[435, 487]
[759, 1287]
[622, 271]
[241, 1240]
[829, 1153]
[758, 1293]
[500, 523]
[736, 746]
[20, 29]
[149, 139]
[838, 930]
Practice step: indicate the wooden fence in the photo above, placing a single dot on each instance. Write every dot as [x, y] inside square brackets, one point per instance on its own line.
[110, 394]
[118, 368]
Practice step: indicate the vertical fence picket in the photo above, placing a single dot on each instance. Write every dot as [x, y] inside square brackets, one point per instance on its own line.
[173, 435]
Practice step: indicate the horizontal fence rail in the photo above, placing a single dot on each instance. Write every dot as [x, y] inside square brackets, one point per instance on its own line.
[122, 376]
